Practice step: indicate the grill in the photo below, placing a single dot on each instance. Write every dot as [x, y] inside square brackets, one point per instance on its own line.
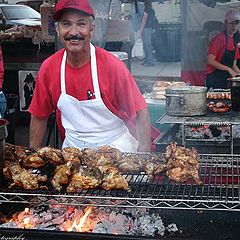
[220, 191]
[229, 119]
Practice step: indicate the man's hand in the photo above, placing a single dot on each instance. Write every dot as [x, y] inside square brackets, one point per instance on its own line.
[232, 72]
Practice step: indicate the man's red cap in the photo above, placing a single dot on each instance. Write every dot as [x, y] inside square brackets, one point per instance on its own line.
[81, 5]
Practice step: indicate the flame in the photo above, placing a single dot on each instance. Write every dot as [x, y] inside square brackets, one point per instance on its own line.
[78, 226]
[24, 219]
[27, 223]
[26, 210]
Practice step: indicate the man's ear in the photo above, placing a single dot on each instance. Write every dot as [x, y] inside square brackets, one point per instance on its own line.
[57, 29]
[92, 29]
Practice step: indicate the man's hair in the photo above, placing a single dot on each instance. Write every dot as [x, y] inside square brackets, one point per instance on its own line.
[92, 21]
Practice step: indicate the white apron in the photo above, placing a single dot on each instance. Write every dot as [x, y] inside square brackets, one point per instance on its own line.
[89, 123]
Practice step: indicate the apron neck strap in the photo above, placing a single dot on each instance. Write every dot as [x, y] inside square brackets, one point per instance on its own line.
[93, 72]
[63, 68]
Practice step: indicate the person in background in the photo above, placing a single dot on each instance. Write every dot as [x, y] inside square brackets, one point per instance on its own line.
[136, 14]
[146, 32]
[223, 54]
[236, 38]
[3, 102]
[92, 91]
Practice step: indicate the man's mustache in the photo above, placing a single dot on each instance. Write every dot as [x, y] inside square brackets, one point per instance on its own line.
[79, 38]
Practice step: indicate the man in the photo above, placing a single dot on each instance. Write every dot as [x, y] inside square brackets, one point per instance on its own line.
[136, 13]
[146, 32]
[92, 91]
[223, 54]
[3, 102]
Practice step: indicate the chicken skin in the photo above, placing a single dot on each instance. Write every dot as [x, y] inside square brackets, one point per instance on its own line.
[85, 178]
[182, 163]
[53, 155]
[61, 176]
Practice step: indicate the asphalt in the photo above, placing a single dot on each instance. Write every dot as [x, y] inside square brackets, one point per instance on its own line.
[159, 70]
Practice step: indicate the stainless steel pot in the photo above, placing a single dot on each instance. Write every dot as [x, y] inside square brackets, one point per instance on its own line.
[234, 84]
[186, 100]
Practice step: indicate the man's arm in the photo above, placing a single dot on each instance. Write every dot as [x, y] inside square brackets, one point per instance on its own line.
[235, 67]
[1, 69]
[38, 129]
[211, 60]
[143, 23]
[143, 129]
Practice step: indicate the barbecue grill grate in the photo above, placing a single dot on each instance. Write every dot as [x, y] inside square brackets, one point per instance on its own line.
[220, 191]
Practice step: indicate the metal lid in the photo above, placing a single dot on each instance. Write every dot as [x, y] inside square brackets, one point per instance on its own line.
[188, 89]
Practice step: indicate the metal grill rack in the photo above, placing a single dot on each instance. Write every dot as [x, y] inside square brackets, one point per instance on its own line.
[220, 191]
[226, 119]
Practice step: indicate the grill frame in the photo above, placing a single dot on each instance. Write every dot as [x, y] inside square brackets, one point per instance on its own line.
[221, 190]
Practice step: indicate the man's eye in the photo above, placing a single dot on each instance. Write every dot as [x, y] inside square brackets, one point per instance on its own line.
[65, 23]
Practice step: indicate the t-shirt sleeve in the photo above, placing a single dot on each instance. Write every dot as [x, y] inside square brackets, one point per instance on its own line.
[129, 97]
[237, 55]
[41, 104]
[1, 68]
[215, 46]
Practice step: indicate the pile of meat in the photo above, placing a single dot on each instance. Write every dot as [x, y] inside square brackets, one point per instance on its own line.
[76, 169]
[182, 163]
[219, 107]
[219, 95]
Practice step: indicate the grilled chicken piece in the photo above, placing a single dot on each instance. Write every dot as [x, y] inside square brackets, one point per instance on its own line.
[33, 161]
[72, 155]
[182, 163]
[16, 153]
[61, 176]
[6, 169]
[104, 155]
[53, 155]
[130, 164]
[25, 178]
[110, 152]
[155, 165]
[28, 180]
[88, 157]
[85, 178]
[112, 179]
[179, 174]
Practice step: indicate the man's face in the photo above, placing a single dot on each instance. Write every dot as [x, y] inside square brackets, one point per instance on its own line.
[232, 26]
[75, 31]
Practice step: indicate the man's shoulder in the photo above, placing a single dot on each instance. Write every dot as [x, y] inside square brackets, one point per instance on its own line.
[219, 36]
[55, 59]
[107, 57]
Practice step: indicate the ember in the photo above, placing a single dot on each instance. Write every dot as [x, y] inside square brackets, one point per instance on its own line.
[90, 219]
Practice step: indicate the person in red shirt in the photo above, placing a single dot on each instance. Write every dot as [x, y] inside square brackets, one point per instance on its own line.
[223, 54]
[3, 102]
[92, 91]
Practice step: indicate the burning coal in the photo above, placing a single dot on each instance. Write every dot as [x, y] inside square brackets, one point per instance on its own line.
[90, 219]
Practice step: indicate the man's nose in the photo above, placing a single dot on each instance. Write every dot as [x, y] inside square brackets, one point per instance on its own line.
[74, 29]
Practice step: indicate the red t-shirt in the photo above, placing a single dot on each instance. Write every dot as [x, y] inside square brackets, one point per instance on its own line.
[217, 47]
[1, 68]
[118, 88]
